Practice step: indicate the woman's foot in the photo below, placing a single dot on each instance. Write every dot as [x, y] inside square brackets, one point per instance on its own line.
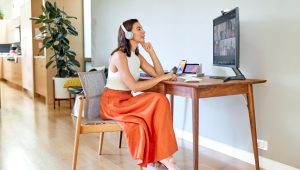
[170, 163]
[155, 166]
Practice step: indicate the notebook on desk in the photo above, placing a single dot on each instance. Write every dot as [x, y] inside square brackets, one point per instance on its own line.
[188, 78]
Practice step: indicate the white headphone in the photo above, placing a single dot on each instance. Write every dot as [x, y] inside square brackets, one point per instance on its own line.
[128, 35]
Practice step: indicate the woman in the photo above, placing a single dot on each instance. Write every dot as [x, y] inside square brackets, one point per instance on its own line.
[146, 118]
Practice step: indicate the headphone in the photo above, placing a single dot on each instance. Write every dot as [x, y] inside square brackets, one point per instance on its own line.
[128, 34]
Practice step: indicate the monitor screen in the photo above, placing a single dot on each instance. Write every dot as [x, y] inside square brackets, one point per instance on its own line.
[226, 39]
[5, 48]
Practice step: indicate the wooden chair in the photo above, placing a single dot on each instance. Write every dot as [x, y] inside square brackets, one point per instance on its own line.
[93, 84]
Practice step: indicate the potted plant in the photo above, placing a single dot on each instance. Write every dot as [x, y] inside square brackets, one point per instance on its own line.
[1, 14]
[54, 31]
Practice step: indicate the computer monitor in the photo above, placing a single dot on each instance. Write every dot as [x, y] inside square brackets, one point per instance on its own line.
[5, 48]
[226, 41]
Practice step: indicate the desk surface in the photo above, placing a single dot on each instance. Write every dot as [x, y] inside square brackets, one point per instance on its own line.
[208, 82]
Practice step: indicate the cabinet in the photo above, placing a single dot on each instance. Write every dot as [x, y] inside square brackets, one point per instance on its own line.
[13, 30]
[10, 31]
[12, 71]
[0, 67]
[3, 38]
[40, 75]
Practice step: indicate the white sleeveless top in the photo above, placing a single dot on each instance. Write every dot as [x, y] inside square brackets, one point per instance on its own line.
[114, 80]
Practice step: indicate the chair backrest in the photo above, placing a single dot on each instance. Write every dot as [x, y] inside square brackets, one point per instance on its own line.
[92, 84]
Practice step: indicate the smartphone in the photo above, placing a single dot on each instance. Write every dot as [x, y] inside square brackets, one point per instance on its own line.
[181, 66]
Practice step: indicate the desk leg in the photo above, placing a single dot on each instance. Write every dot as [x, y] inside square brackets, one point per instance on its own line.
[252, 124]
[195, 107]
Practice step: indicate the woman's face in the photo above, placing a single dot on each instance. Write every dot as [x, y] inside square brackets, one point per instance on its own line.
[138, 32]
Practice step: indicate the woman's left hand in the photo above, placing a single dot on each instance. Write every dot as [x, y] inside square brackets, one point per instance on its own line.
[148, 47]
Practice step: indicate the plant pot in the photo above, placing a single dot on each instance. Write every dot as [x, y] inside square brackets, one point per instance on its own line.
[59, 91]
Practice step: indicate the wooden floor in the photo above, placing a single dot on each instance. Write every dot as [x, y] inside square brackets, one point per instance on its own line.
[36, 137]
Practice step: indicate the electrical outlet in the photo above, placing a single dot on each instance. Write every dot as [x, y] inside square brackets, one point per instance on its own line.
[262, 144]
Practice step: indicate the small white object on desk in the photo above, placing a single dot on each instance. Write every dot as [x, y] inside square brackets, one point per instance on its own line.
[191, 79]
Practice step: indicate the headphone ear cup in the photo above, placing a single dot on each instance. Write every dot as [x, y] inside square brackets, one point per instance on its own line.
[129, 35]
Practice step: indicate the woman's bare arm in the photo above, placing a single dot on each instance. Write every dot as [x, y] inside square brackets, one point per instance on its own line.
[156, 63]
[120, 61]
[148, 68]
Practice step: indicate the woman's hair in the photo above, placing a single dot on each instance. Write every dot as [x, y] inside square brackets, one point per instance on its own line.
[123, 43]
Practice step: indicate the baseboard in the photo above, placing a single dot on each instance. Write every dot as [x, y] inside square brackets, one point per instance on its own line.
[242, 155]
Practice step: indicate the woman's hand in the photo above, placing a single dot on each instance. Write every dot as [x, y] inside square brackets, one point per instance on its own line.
[169, 76]
[148, 47]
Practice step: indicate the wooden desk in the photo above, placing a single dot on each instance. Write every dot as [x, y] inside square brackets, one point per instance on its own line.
[211, 88]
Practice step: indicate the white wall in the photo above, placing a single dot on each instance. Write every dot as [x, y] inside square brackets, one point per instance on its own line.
[87, 29]
[270, 43]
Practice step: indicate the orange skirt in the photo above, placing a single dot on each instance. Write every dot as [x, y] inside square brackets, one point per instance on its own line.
[147, 121]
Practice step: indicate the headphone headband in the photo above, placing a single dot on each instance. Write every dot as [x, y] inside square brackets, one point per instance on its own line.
[123, 28]
[128, 34]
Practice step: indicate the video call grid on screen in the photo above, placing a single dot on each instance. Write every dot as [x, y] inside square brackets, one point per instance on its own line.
[225, 39]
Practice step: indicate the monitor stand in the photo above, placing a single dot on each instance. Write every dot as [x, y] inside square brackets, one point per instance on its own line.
[239, 75]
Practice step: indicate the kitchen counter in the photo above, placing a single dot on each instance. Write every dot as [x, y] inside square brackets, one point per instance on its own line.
[5, 55]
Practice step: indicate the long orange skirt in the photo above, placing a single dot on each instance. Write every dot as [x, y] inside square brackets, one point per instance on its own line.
[147, 121]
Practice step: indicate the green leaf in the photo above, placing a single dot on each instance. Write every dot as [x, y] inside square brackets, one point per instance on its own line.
[44, 10]
[61, 63]
[49, 43]
[71, 31]
[71, 53]
[75, 62]
[67, 48]
[42, 17]
[46, 40]
[63, 73]
[65, 41]
[52, 14]
[56, 47]
[38, 21]
[71, 57]
[49, 6]
[58, 36]
[57, 20]
[67, 22]
[55, 6]
[48, 21]
[43, 28]
[34, 18]
[49, 63]
[70, 27]
[71, 17]
[52, 57]
[62, 52]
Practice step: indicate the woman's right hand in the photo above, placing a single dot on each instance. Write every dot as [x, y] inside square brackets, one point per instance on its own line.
[169, 76]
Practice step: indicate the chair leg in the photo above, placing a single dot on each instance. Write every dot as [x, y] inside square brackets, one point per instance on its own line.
[101, 143]
[76, 145]
[70, 100]
[120, 142]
